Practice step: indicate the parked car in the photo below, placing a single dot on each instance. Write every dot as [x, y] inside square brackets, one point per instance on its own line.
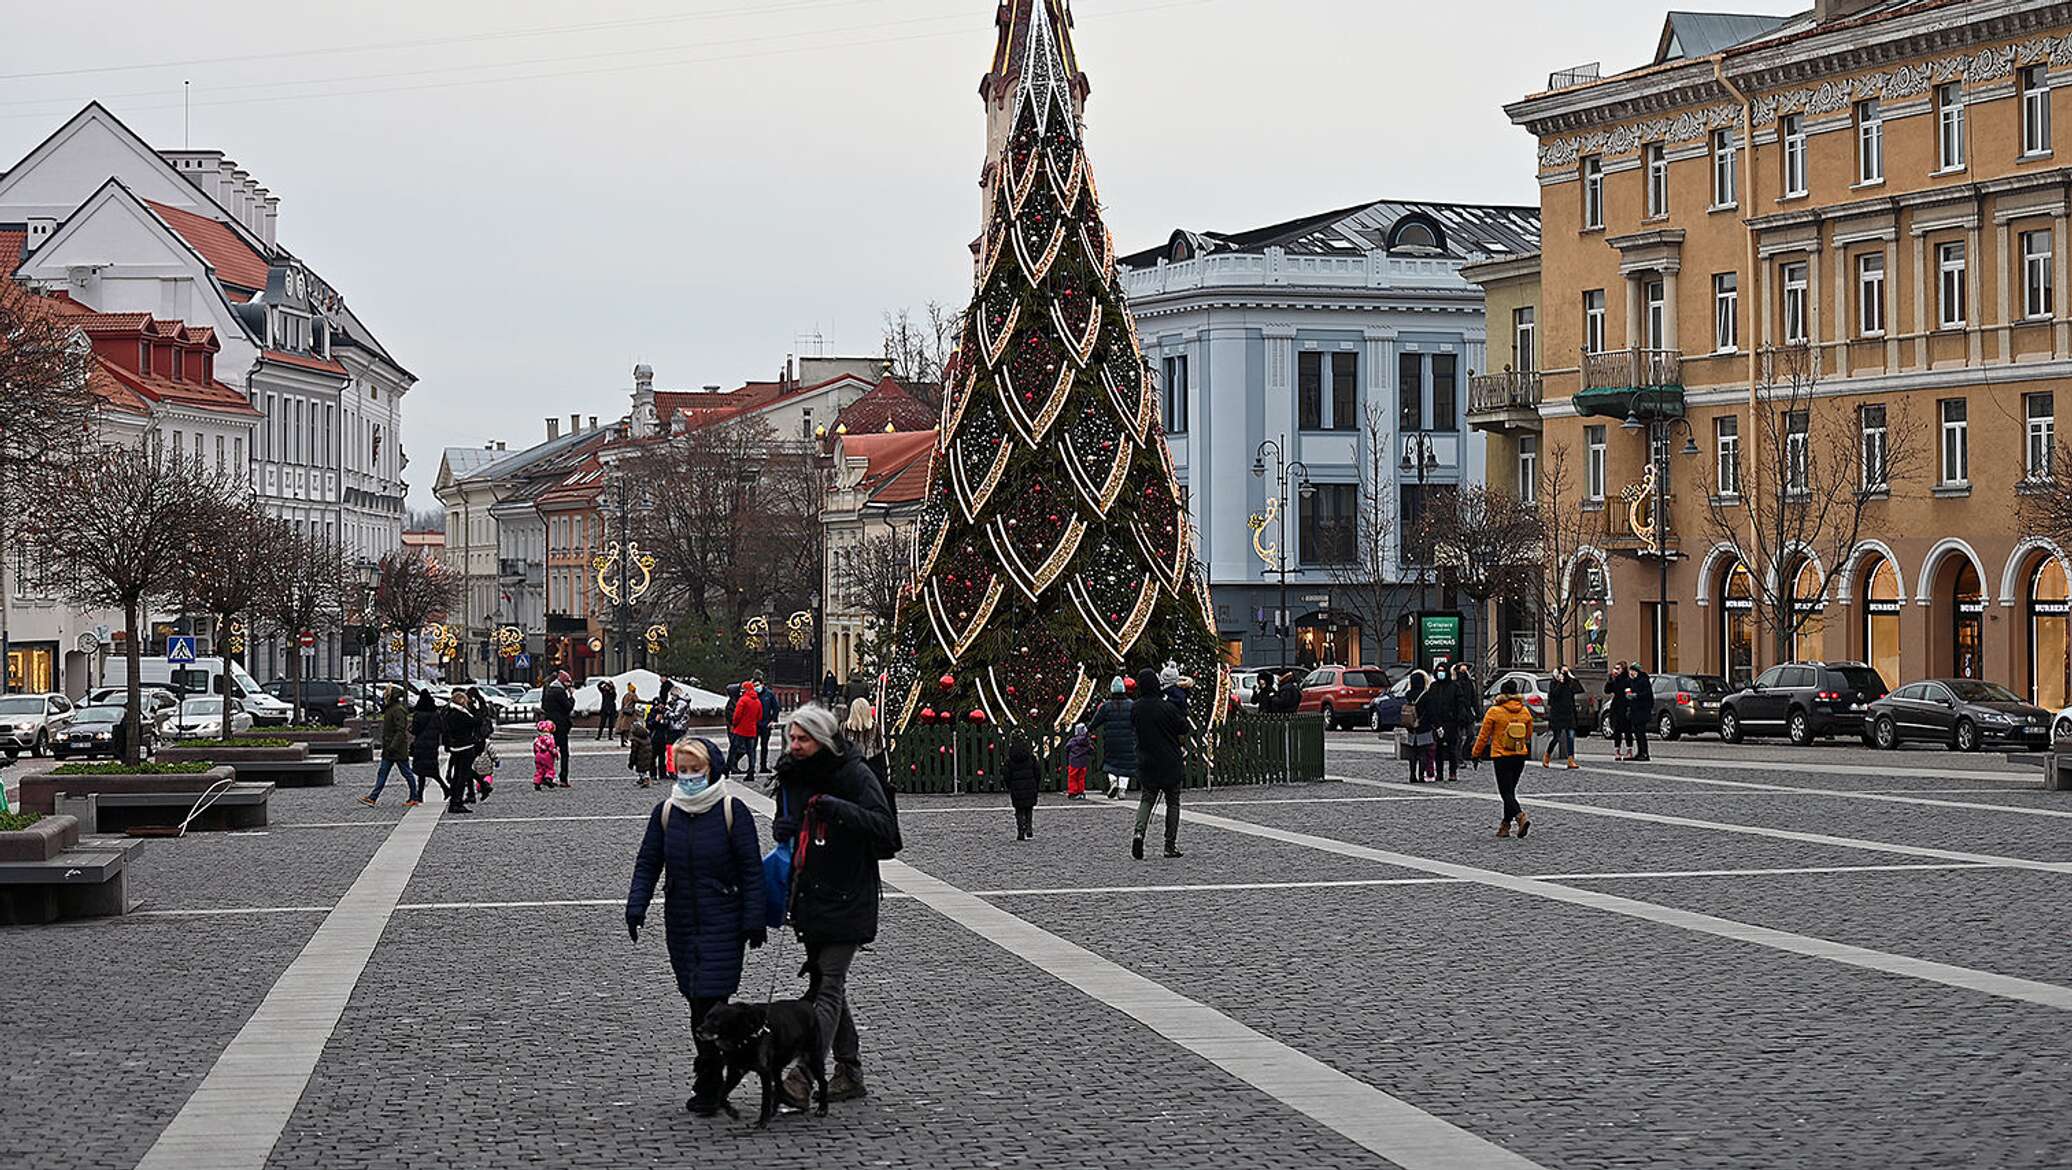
[323, 700]
[2061, 727]
[93, 731]
[1686, 704]
[1964, 713]
[203, 719]
[1534, 689]
[1341, 694]
[33, 723]
[1804, 701]
[159, 703]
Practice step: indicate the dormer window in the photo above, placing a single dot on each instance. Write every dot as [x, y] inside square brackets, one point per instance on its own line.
[144, 358]
[1417, 235]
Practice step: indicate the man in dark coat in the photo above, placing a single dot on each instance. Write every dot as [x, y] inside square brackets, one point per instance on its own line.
[558, 707]
[1639, 690]
[1118, 738]
[835, 809]
[1161, 767]
[607, 706]
[395, 750]
[1441, 704]
[462, 747]
[771, 710]
[427, 728]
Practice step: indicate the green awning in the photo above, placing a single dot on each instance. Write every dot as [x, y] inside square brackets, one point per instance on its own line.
[1620, 402]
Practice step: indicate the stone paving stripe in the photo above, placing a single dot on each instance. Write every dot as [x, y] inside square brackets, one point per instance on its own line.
[1985, 982]
[1390, 1127]
[1627, 814]
[2016, 779]
[234, 1118]
[229, 910]
[1877, 796]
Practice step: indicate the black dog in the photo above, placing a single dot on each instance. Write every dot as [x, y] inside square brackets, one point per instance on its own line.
[765, 1039]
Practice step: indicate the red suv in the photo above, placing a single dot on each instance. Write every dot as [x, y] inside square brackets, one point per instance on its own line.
[1341, 694]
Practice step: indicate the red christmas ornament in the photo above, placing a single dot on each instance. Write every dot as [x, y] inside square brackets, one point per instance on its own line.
[927, 714]
[977, 715]
[947, 682]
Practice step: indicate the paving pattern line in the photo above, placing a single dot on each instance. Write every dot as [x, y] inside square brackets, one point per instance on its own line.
[235, 1116]
[2016, 780]
[1627, 814]
[1389, 1126]
[1970, 979]
[1883, 797]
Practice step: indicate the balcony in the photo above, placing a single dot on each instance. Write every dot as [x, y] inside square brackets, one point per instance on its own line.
[1509, 401]
[1620, 383]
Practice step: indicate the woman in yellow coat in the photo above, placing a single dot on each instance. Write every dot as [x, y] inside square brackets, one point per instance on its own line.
[1506, 741]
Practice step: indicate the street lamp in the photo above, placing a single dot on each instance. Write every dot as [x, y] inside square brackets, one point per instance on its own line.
[1419, 455]
[1276, 554]
[616, 566]
[1659, 425]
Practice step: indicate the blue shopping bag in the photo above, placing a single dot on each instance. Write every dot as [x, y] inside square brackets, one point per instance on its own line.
[776, 884]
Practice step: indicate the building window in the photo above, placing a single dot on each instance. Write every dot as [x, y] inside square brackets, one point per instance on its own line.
[1341, 410]
[1950, 303]
[1723, 165]
[1593, 321]
[1594, 468]
[1327, 523]
[1309, 385]
[1658, 179]
[1870, 142]
[2041, 409]
[2037, 291]
[1657, 325]
[1593, 192]
[1410, 392]
[1870, 294]
[1176, 395]
[2035, 110]
[1522, 355]
[1795, 451]
[1794, 155]
[1445, 392]
[1726, 312]
[1949, 119]
[1528, 469]
[1726, 443]
[1794, 302]
[1956, 442]
[1870, 426]
[1345, 391]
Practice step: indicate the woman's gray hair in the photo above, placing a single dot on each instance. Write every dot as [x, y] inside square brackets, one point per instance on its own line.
[820, 723]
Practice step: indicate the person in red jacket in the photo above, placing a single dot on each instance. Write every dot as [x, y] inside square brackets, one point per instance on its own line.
[744, 725]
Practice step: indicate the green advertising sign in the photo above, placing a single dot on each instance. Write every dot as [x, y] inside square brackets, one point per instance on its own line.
[1438, 636]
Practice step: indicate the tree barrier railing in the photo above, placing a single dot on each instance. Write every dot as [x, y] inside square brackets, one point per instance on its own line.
[1250, 748]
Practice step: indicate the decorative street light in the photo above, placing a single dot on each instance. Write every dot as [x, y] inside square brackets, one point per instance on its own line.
[1275, 555]
[1419, 456]
[1659, 426]
[616, 567]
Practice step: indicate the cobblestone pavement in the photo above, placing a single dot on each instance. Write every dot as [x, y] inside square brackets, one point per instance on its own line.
[506, 1020]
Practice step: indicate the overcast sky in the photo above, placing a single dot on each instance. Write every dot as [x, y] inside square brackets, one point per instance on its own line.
[704, 185]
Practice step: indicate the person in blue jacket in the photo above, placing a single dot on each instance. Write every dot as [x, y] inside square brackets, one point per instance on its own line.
[701, 843]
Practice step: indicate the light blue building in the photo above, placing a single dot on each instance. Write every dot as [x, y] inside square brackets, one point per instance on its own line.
[1347, 339]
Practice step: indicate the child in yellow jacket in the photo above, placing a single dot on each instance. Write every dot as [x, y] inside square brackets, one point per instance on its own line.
[1506, 740]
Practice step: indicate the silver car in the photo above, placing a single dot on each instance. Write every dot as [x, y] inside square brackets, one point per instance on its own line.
[203, 719]
[33, 723]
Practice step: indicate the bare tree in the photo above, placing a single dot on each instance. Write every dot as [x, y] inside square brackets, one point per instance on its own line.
[141, 521]
[1563, 529]
[410, 589]
[1819, 469]
[2045, 506]
[920, 351]
[46, 406]
[226, 577]
[878, 572]
[303, 593]
[1363, 558]
[1486, 543]
[425, 520]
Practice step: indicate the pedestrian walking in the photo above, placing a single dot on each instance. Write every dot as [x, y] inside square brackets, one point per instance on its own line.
[744, 721]
[1564, 705]
[1263, 696]
[700, 846]
[629, 713]
[1506, 741]
[1289, 693]
[1441, 708]
[1467, 712]
[1118, 738]
[830, 691]
[862, 729]
[461, 749]
[546, 756]
[640, 753]
[427, 728]
[1079, 756]
[768, 722]
[485, 753]
[1615, 708]
[395, 750]
[1420, 718]
[661, 733]
[1640, 708]
[1024, 782]
[842, 822]
[607, 706]
[558, 706]
[1161, 730]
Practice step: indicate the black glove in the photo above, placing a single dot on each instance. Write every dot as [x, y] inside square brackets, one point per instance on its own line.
[756, 938]
[633, 929]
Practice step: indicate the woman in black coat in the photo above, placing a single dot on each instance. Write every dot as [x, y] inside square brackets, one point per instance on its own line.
[1118, 738]
[1161, 766]
[1564, 700]
[1024, 781]
[485, 731]
[700, 844]
[426, 729]
[458, 728]
[607, 707]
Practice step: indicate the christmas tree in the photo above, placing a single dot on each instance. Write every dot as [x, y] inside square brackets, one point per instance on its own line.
[1053, 552]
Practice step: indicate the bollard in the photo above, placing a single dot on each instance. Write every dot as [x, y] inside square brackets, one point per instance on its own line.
[2056, 766]
[86, 809]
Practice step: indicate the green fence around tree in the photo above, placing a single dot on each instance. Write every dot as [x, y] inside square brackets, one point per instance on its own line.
[1251, 748]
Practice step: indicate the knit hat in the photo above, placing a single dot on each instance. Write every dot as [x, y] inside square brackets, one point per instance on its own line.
[1079, 729]
[1115, 686]
[820, 723]
[1170, 676]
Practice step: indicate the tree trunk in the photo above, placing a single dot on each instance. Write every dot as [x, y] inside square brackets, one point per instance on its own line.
[223, 656]
[133, 692]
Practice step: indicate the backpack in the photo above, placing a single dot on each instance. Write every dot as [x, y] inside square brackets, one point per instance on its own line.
[1518, 735]
[891, 791]
[1408, 721]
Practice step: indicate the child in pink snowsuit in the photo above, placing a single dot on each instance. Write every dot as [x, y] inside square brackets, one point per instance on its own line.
[546, 757]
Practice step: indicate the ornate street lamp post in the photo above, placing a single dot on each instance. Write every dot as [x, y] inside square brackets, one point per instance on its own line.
[625, 571]
[1275, 555]
[1655, 537]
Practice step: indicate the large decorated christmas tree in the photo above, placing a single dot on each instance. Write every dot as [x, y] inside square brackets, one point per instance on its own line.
[1053, 553]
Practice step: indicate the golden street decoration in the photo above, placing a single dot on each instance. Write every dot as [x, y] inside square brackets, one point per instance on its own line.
[1258, 522]
[800, 626]
[756, 632]
[510, 641]
[1640, 500]
[639, 569]
[657, 638]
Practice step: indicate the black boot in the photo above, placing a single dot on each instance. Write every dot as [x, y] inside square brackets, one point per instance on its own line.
[1137, 848]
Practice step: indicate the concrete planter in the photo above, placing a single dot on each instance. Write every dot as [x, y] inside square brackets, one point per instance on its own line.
[293, 753]
[327, 735]
[39, 842]
[39, 793]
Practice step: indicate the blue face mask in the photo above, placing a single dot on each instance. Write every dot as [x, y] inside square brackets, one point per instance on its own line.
[689, 786]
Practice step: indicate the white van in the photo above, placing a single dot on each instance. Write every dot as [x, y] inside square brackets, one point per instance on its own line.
[203, 676]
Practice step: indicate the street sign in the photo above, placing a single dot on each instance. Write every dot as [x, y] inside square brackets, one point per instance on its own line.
[522, 662]
[179, 648]
[308, 639]
[1438, 636]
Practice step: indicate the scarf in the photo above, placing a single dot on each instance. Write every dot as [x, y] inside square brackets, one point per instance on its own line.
[705, 799]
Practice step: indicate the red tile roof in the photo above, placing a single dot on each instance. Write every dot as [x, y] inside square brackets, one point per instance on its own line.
[888, 402]
[111, 391]
[11, 243]
[899, 464]
[210, 396]
[304, 361]
[234, 260]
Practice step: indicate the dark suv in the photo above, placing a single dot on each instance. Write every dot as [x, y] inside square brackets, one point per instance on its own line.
[1802, 700]
[1686, 704]
[323, 700]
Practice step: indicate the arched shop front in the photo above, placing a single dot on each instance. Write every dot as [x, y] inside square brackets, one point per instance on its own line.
[1737, 625]
[1882, 605]
[1809, 613]
[1967, 622]
[2050, 635]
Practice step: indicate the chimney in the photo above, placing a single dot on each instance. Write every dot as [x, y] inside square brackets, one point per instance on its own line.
[712, 389]
[553, 428]
[240, 202]
[575, 423]
[643, 379]
[40, 229]
[269, 216]
[593, 422]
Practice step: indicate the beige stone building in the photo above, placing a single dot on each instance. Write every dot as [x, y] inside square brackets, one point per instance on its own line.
[1807, 268]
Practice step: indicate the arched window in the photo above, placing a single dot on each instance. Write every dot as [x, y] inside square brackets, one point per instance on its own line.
[1417, 235]
[1809, 611]
[1593, 622]
[1968, 633]
[1881, 609]
[2050, 636]
[1737, 625]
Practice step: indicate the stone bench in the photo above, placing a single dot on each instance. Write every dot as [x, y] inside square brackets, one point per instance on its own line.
[344, 751]
[285, 767]
[241, 806]
[39, 793]
[47, 874]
